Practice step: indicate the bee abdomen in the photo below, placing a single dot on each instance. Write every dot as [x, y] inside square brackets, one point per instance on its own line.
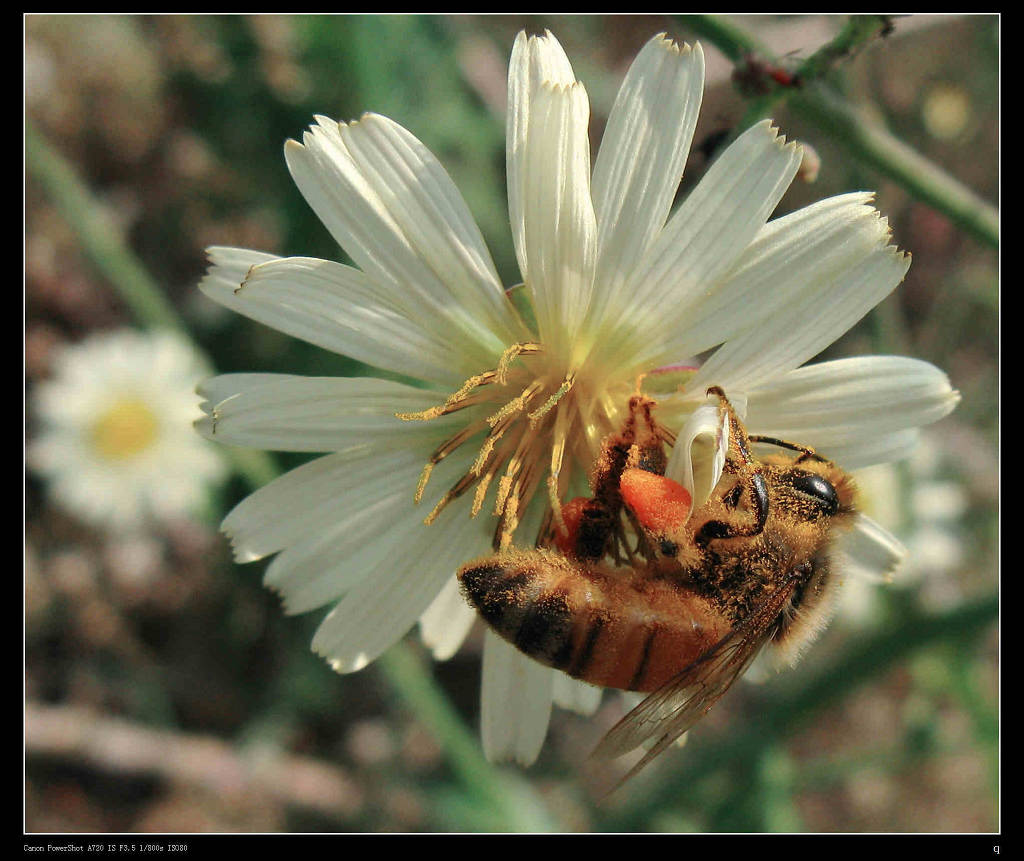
[520, 604]
[613, 631]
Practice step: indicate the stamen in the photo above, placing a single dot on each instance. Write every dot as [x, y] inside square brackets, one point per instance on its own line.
[519, 456]
[522, 488]
[459, 488]
[421, 485]
[459, 401]
[513, 353]
[509, 523]
[509, 519]
[441, 452]
[515, 463]
[556, 504]
[504, 487]
[484, 379]
[538, 414]
[557, 455]
[488, 444]
[481, 489]
[517, 404]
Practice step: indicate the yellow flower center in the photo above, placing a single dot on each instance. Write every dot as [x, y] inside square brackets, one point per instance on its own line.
[538, 423]
[126, 429]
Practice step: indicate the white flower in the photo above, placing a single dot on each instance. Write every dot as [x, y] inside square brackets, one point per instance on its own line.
[513, 417]
[115, 440]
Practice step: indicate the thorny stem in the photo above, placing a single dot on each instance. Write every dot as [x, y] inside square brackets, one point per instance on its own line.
[98, 234]
[848, 127]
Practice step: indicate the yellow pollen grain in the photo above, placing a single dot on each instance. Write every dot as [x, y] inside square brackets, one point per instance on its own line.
[125, 429]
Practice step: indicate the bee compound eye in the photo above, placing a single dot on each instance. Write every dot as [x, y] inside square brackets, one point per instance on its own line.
[819, 489]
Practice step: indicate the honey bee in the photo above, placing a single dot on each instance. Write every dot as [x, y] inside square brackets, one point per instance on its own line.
[681, 611]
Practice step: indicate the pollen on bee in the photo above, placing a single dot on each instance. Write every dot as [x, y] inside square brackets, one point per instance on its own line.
[659, 503]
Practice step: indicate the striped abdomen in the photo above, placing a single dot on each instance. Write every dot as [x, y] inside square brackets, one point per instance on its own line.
[610, 627]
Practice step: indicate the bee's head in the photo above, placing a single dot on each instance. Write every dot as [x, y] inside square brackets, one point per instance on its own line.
[813, 500]
[811, 490]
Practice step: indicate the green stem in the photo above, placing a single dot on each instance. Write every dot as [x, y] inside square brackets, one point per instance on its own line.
[504, 802]
[98, 235]
[104, 244]
[731, 40]
[878, 149]
[856, 32]
[859, 135]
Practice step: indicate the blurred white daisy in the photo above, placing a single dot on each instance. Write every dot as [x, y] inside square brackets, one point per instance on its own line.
[513, 412]
[115, 441]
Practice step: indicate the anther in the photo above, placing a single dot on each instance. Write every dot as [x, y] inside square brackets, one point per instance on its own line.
[459, 488]
[517, 404]
[440, 453]
[511, 354]
[546, 407]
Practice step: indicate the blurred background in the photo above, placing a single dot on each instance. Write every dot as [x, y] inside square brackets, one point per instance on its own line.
[165, 690]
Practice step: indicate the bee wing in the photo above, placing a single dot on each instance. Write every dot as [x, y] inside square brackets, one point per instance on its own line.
[686, 698]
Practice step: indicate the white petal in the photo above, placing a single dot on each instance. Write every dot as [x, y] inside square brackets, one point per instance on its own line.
[515, 703]
[869, 550]
[698, 456]
[575, 695]
[335, 307]
[374, 187]
[420, 195]
[560, 229]
[230, 266]
[788, 259]
[535, 59]
[378, 611]
[216, 389]
[873, 449]
[446, 622]
[803, 328]
[641, 159]
[853, 403]
[381, 527]
[708, 233]
[282, 412]
[312, 498]
[321, 569]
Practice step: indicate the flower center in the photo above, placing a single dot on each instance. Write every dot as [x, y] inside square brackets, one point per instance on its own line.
[126, 429]
[537, 421]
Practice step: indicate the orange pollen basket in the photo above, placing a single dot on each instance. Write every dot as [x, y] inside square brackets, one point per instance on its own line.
[659, 503]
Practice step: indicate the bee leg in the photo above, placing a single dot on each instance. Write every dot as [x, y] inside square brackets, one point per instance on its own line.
[658, 507]
[594, 524]
[806, 452]
[743, 463]
[647, 451]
